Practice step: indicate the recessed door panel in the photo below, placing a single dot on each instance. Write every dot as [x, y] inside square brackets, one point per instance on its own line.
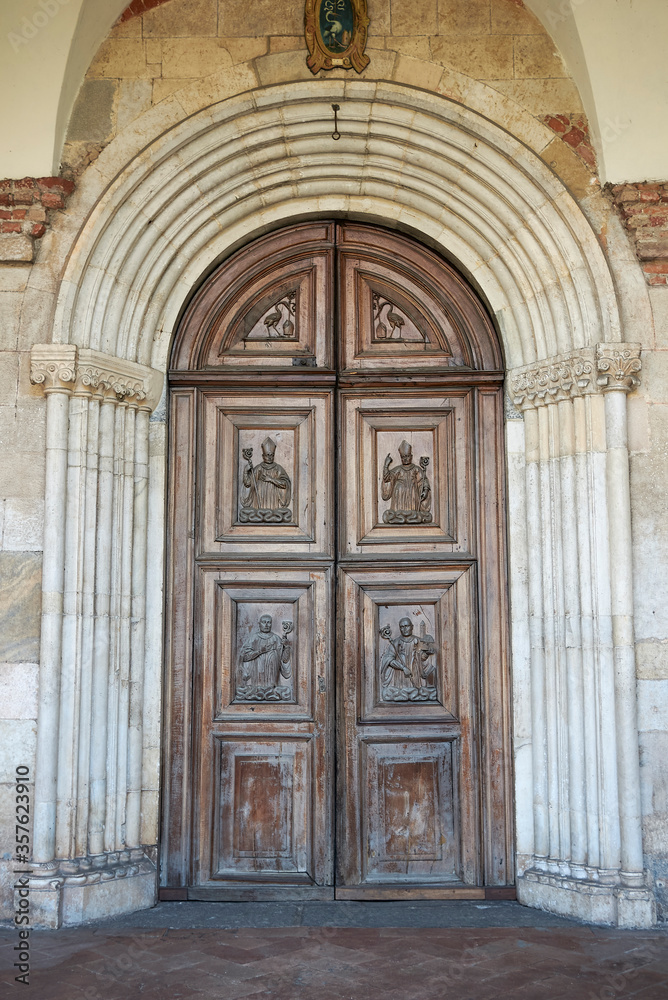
[267, 473]
[409, 822]
[264, 683]
[263, 808]
[407, 459]
[410, 675]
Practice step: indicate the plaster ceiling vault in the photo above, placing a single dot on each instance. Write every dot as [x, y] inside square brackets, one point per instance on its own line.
[612, 48]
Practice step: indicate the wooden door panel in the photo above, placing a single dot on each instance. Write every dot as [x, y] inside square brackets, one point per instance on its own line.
[268, 307]
[409, 831]
[265, 695]
[263, 808]
[278, 685]
[412, 692]
[402, 306]
[241, 508]
[431, 510]
[440, 604]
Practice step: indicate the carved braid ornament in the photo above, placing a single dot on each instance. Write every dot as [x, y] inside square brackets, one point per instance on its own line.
[567, 376]
[66, 368]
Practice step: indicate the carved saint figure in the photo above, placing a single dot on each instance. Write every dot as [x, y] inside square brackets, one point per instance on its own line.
[407, 488]
[264, 670]
[267, 488]
[407, 670]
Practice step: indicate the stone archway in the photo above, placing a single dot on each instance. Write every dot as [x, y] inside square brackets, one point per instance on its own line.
[425, 165]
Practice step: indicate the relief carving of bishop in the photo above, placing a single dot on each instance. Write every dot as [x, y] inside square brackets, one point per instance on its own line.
[267, 489]
[407, 488]
[264, 672]
[407, 666]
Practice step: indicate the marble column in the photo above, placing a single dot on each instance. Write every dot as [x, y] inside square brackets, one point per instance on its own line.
[587, 849]
[89, 858]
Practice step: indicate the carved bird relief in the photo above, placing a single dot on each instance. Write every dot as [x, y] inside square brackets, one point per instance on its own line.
[278, 321]
[389, 323]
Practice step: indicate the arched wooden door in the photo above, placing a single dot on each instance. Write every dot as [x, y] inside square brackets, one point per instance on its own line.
[337, 684]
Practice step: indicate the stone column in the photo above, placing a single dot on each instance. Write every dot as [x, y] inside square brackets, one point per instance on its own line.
[618, 369]
[587, 850]
[54, 368]
[88, 856]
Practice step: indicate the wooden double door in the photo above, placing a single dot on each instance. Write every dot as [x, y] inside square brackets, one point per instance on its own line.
[337, 678]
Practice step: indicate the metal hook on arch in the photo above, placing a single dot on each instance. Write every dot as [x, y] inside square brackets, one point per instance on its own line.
[336, 134]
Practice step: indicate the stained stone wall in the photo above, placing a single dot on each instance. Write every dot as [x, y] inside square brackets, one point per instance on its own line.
[648, 428]
[152, 75]
[21, 527]
[474, 51]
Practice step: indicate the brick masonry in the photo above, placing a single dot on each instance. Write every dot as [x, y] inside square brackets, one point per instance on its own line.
[139, 7]
[25, 212]
[644, 211]
[574, 130]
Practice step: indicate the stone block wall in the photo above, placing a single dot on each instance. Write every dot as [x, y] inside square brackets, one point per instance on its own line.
[648, 428]
[21, 522]
[448, 46]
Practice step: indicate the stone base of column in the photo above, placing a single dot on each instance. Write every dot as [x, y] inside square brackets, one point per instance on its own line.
[598, 902]
[70, 892]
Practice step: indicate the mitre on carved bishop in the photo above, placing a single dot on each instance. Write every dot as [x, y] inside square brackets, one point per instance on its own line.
[405, 448]
[268, 447]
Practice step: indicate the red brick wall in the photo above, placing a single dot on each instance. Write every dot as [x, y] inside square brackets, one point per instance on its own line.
[25, 207]
[139, 7]
[574, 130]
[644, 210]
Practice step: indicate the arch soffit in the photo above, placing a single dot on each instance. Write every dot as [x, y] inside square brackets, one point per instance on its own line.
[411, 160]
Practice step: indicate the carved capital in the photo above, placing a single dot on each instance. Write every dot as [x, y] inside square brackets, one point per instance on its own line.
[53, 366]
[106, 377]
[64, 368]
[562, 377]
[618, 366]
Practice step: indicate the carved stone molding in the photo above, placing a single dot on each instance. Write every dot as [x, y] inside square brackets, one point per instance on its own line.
[566, 376]
[601, 896]
[53, 366]
[618, 366]
[66, 368]
[91, 869]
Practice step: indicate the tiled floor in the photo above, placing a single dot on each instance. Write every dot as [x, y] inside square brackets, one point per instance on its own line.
[555, 959]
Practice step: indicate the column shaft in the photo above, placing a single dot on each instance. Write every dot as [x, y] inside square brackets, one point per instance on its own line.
[53, 568]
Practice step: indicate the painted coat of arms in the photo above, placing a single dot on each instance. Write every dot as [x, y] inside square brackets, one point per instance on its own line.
[336, 33]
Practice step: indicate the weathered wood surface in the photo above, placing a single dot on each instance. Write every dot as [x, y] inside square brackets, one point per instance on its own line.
[370, 457]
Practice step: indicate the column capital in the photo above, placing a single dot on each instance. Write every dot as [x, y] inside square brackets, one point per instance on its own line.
[53, 366]
[106, 377]
[564, 376]
[66, 368]
[618, 367]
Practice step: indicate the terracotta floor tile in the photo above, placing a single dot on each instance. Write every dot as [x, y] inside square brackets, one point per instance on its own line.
[346, 963]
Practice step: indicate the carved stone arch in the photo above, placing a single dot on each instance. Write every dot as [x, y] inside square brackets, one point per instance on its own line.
[428, 166]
